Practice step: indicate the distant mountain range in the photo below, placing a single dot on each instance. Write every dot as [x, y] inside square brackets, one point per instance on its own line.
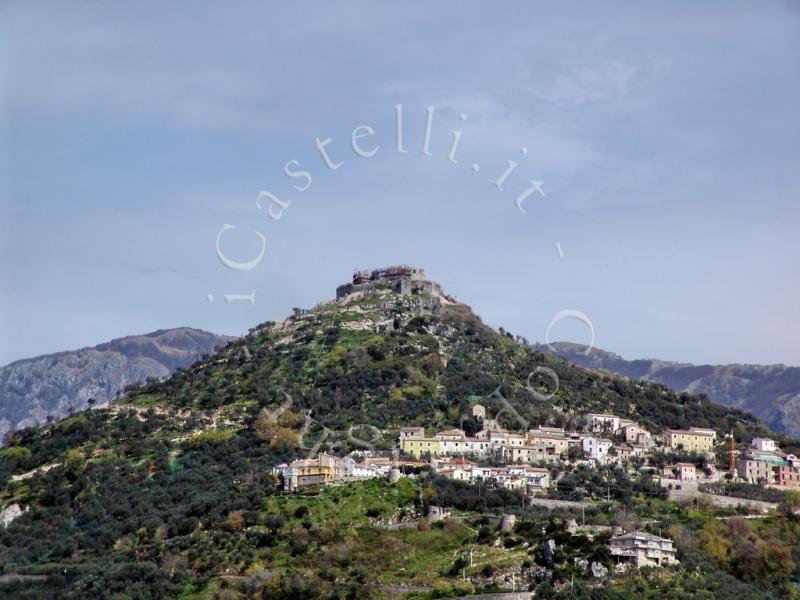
[53, 385]
[770, 392]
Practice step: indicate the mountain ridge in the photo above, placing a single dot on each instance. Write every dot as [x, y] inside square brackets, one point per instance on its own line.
[770, 392]
[51, 385]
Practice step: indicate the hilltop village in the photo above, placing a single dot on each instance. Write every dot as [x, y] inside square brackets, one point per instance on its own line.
[355, 449]
[538, 462]
[526, 460]
[534, 461]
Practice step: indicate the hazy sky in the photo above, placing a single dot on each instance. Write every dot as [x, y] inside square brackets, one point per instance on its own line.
[667, 140]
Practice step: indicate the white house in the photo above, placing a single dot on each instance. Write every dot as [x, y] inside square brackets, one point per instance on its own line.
[764, 444]
[602, 422]
[596, 448]
[536, 478]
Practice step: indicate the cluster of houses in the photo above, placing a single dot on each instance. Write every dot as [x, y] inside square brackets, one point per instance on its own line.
[763, 463]
[512, 455]
[551, 444]
[452, 453]
[519, 461]
[326, 469]
[515, 476]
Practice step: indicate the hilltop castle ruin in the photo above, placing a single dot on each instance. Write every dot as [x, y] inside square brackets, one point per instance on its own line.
[400, 278]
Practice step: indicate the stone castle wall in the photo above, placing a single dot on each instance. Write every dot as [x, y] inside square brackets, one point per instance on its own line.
[402, 279]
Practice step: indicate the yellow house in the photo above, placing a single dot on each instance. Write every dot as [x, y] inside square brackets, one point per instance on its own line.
[323, 470]
[417, 446]
[692, 440]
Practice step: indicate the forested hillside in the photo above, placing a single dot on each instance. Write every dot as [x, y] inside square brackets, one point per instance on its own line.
[170, 491]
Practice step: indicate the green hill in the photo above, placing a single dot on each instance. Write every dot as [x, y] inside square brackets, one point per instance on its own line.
[169, 492]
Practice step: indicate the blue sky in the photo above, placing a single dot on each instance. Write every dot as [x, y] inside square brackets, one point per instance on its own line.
[667, 138]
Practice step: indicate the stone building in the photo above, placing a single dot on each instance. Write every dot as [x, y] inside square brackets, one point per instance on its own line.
[437, 513]
[759, 467]
[754, 471]
[550, 437]
[787, 476]
[538, 452]
[681, 471]
[403, 279]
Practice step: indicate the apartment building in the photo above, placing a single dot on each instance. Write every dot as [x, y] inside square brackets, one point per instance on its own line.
[694, 439]
[752, 470]
[643, 549]
[452, 441]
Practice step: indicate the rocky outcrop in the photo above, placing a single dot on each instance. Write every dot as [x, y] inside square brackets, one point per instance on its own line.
[11, 512]
[598, 570]
[31, 390]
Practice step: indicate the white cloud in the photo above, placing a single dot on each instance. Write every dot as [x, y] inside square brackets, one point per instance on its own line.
[579, 84]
